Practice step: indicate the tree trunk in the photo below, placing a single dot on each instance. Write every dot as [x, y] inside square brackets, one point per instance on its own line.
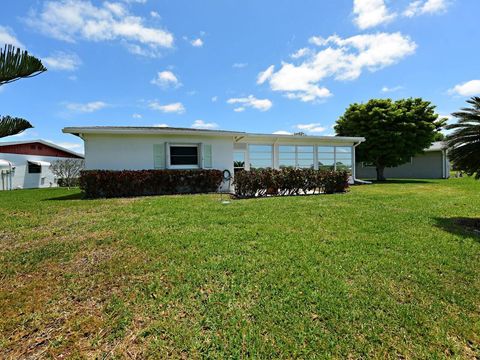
[380, 171]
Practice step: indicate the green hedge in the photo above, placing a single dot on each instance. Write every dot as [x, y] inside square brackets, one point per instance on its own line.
[289, 181]
[127, 183]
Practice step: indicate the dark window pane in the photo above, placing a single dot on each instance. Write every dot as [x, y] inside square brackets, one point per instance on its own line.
[184, 155]
[34, 168]
[183, 150]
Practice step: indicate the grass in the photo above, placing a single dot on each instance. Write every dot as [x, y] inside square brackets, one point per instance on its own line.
[380, 272]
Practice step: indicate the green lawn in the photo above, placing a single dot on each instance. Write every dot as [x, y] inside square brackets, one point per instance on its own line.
[384, 271]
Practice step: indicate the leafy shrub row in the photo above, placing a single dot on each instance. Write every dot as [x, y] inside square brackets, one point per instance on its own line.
[126, 183]
[289, 181]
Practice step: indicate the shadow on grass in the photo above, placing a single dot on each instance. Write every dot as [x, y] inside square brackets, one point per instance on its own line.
[76, 196]
[466, 227]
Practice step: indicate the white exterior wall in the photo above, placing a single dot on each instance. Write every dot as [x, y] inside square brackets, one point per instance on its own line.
[21, 178]
[135, 152]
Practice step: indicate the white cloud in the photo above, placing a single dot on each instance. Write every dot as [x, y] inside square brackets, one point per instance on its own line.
[301, 53]
[62, 61]
[86, 107]
[469, 88]
[7, 36]
[197, 42]
[240, 65]
[340, 59]
[166, 79]
[70, 20]
[387, 89]
[161, 125]
[251, 101]
[311, 128]
[239, 109]
[318, 41]
[176, 108]
[370, 13]
[200, 124]
[282, 132]
[214, 98]
[421, 7]
[265, 75]
[155, 14]
[137, 116]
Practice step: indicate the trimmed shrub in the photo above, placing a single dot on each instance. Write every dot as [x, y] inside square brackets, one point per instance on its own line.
[127, 183]
[289, 181]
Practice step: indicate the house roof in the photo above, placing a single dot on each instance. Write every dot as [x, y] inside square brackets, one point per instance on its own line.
[437, 146]
[144, 130]
[46, 143]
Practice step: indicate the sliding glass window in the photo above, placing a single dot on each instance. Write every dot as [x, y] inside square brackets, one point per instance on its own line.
[260, 156]
[343, 158]
[326, 157]
[305, 157]
[291, 156]
[286, 156]
[335, 157]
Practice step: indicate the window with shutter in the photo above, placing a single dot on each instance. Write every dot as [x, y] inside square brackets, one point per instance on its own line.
[207, 156]
[159, 156]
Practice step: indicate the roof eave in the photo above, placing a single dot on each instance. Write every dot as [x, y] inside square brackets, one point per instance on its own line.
[162, 131]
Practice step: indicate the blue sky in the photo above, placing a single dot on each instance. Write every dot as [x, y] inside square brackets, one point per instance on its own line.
[258, 66]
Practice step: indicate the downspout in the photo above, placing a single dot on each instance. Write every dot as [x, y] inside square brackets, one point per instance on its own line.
[10, 175]
[354, 167]
[354, 162]
[444, 164]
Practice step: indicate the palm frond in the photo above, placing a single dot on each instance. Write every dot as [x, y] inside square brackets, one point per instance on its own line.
[12, 126]
[464, 141]
[16, 64]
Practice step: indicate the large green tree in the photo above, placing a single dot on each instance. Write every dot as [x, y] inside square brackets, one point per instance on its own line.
[14, 65]
[394, 130]
[464, 141]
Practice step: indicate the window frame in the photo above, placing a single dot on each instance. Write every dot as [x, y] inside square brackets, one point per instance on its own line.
[335, 159]
[295, 155]
[186, 166]
[36, 166]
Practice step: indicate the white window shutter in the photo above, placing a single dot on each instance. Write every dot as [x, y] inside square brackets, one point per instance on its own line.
[207, 156]
[158, 156]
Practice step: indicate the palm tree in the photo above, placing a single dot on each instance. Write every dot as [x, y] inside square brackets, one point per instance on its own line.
[464, 141]
[14, 65]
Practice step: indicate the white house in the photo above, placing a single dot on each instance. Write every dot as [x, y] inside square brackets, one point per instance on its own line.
[26, 164]
[139, 148]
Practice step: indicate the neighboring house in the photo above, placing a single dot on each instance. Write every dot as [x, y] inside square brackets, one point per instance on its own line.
[137, 148]
[433, 163]
[26, 164]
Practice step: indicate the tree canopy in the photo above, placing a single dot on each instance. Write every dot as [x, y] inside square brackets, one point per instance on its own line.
[464, 141]
[14, 65]
[11, 126]
[395, 131]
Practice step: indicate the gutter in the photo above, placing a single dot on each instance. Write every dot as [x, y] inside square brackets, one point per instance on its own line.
[354, 168]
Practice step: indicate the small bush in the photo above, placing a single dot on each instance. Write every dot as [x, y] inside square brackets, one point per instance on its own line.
[68, 182]
[127, 183]
[289, 181]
